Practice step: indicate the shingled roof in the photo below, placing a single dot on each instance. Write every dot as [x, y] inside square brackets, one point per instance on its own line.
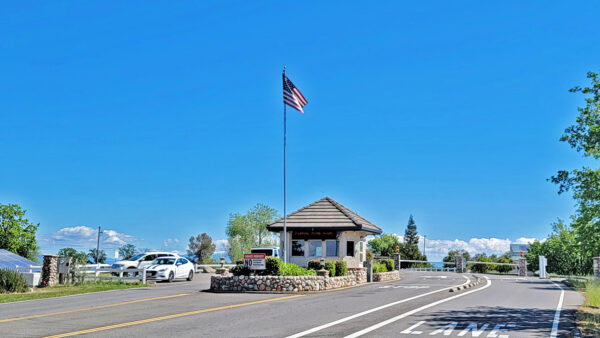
[325, 213]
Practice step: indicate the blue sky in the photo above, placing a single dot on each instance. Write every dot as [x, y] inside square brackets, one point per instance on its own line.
[157, 120]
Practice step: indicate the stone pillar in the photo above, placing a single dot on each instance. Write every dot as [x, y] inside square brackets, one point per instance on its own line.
[50, 270]
[522, 267]
[596, 266]
[397, 261]
[461, 264]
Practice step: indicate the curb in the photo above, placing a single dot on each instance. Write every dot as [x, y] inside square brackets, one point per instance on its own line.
[575, 333]
[477, 281]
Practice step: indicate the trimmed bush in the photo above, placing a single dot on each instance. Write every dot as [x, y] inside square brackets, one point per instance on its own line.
[273, 267]
[291, 269]
[12, 281]
[379, 267]
[330, 265]
[315, 264]
[240, 270]
[389, 264]
[341, 268]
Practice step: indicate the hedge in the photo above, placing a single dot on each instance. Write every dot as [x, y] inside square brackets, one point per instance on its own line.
[12, 281]
[389, 264]
[379, 267]
[341, 268]
[273, 267]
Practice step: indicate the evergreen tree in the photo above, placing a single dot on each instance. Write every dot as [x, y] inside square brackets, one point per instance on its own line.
[410, 235]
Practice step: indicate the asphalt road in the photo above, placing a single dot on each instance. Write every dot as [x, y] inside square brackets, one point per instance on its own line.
[419, 305]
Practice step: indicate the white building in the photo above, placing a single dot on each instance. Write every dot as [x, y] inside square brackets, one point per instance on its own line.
[325, 229]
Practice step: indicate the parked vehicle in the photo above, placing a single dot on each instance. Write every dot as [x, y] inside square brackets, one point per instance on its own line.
[141, 260]
[170, 268]
[269, 251]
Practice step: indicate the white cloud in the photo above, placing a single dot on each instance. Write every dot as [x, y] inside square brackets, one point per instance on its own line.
[84, 237]
[169, 241]
[221, 245]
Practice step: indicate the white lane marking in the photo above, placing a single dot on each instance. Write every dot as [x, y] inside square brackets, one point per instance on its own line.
[473, 327]
[557, 313]
[406, 314]
[446, 329]
[405, 287]
[360, 314]
[410, 329]
[435, 277]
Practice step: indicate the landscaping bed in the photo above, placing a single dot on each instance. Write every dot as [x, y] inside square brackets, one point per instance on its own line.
[588, 315]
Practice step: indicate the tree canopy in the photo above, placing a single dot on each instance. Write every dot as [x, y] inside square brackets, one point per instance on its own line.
[584, 183]
[17, 234]
[384, 245]
[410, 234]
[78, 257]
[250, 230]
[127, 251]
[91, 256]
[201, 247]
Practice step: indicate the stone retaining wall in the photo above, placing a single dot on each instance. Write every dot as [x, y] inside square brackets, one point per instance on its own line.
[386, 276]
[287, 283]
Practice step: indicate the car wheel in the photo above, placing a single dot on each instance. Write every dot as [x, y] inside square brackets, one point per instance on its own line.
[171, 277]
[130, 274]
[190, 276]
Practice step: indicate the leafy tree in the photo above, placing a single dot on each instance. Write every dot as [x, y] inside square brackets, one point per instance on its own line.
[482, 268]
[17, 234]
[451, 257]
[584, 137]
[504, 268]
[410, 235]
[78, 257]
[201, 247]
[127, 251]
[250, 230]
[562, 250]
[384, 245]
[92, 256]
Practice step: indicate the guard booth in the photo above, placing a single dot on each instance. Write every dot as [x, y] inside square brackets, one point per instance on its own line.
[325, 229]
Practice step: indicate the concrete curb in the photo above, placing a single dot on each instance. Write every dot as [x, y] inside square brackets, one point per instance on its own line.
[477, 281]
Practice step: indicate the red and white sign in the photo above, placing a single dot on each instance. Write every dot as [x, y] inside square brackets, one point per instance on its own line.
[255, 261]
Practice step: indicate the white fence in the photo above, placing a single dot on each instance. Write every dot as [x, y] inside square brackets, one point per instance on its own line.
[95, 271]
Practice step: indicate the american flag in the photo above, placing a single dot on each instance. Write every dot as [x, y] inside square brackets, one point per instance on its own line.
[292, 96]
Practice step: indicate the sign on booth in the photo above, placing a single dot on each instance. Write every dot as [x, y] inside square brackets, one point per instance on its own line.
[255, 261]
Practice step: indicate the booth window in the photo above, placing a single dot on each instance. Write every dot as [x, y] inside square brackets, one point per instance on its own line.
[297, 248]
[350, 248]
[332, 248]
[315, 249]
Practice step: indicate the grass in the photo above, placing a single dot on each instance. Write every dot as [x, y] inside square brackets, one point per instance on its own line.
[66, 290]
[588, 316]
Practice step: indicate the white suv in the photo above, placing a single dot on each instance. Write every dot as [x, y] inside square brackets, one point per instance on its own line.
[139, 261]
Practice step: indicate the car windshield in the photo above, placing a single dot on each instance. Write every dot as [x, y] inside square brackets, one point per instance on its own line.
[136, 257]
[164, 261]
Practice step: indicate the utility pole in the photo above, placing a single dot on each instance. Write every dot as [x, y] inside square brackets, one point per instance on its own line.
[98, 244]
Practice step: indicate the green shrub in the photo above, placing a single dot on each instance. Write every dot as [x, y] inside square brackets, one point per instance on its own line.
[341, 268]
[291, 269]
[240, 270]
[330, 265]
[12, 281]
[379, 267]
[273, 267]
[370, 255]
[389, 264]
[315, 264]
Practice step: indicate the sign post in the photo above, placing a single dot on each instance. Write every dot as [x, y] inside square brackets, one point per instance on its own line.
[255, 261]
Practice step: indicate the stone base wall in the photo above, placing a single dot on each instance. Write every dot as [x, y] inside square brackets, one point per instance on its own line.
[287, 283]
[50, 270]
[386, 276]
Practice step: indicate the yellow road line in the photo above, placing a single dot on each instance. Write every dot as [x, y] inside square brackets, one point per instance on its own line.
[176, 315]
[93, 307]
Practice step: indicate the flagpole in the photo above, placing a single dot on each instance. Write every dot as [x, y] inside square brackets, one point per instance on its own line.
[284, 180]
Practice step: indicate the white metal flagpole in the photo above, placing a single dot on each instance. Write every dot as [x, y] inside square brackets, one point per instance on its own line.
[284, 181]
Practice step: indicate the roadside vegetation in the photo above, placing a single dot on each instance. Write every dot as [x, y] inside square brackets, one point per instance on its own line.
[385, 245]
[66, 290]
[588, 315]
